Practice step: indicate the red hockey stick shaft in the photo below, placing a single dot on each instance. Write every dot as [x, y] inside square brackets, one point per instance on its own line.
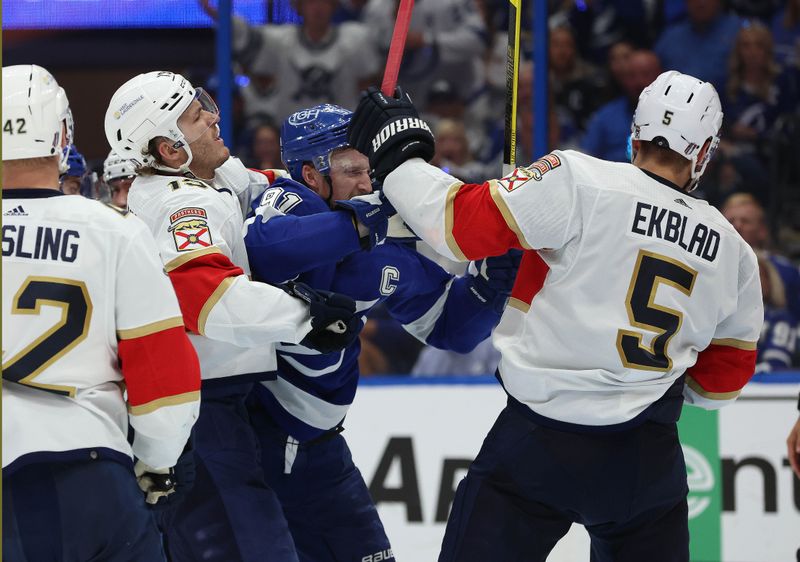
[397, 47]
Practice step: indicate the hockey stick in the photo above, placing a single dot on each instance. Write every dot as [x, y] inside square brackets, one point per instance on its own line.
[512, 71]
[397, 47]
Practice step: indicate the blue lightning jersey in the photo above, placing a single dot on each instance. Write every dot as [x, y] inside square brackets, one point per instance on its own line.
[776, 346]
[292, 234]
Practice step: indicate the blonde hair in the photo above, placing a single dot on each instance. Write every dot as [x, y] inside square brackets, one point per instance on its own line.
[736, 65]
[777, 290]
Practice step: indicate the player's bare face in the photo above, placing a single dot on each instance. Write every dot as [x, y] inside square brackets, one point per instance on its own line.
[201, 130]
[748, 220]
[349, 174]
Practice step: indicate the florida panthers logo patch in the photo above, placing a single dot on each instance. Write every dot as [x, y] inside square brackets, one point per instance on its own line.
[535, 171]
[189, 228]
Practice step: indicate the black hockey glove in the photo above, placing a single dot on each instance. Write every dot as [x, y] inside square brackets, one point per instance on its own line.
[493, 278]
[389, 131]
[166, 487]
[334, 323]
[372, 212]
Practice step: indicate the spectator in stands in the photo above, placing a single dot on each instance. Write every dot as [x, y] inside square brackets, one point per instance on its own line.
[777, 343]
[447, 39]
[599, 24]
[700, 46]
[576, 86]
[757, 91]
[619, 55]
[786, 34]
[265, 148]
[608, 130]
[746, 215]
[453, 153]
[295, 66]
[446, 102]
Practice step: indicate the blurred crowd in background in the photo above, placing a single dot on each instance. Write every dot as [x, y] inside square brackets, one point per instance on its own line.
[602, 53]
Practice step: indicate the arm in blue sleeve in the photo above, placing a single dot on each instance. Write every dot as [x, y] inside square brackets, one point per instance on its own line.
[439, 309]
[464, 322]
[282, 246]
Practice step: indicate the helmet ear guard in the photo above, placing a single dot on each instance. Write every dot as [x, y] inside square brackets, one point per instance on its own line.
[683, 114]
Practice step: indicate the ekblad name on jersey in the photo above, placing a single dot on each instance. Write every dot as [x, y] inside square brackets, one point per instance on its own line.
[627, 283]
[88, 318]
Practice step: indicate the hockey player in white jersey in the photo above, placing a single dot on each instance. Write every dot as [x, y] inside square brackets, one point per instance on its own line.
[632, 297]
[118, 175]
[168, 129]
[92, 340]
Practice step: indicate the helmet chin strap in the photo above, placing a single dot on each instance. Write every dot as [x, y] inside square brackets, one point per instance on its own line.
[184, 168]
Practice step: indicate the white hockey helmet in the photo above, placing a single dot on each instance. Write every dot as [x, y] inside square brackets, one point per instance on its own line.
[681, 113]
[116, 167]
[35, 113]
[148, 106]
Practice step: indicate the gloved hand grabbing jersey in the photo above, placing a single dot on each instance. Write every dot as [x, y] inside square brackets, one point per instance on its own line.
[371, 213]
[389, 131]
[165, 487]
[493, 278]
[334, 323]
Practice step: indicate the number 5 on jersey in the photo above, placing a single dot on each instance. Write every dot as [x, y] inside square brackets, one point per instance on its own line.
[652, 270]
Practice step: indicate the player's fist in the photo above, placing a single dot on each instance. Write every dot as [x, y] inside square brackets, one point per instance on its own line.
[164, 487]
[334, 323]
[371, 213]
[389, 131]
[493, 278]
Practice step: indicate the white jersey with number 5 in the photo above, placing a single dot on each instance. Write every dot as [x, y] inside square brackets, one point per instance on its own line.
[628, 282]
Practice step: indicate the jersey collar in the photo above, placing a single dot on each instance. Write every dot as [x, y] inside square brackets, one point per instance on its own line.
[665, 181]
[30, 193]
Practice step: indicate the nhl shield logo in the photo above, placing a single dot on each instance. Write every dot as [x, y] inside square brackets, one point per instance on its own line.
[189, 228]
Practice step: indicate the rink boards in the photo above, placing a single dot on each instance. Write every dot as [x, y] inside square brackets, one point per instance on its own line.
[414, 438]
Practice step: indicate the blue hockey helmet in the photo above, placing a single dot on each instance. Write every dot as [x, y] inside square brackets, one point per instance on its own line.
[76, 163]
[310, 135]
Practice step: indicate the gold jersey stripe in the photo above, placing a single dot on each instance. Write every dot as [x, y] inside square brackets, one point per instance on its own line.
[151, 328]
[212, 300]
[511, 222]
[180, 260]
[154, 405]
[738, 344]
[519, 304]
[449, 222]
[694, 385]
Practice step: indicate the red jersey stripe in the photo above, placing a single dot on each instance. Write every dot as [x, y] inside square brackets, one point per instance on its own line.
[474, 225]
[198, 280]
[530, 279]
[722, 369]
[158, 366]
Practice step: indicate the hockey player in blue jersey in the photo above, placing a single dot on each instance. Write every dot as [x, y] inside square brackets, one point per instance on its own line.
[303, 228]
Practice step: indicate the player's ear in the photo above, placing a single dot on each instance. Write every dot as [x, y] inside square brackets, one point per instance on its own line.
[313, 179]
[167, 153]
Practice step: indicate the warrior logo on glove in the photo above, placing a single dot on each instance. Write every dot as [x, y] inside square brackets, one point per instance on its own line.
[396, 127]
